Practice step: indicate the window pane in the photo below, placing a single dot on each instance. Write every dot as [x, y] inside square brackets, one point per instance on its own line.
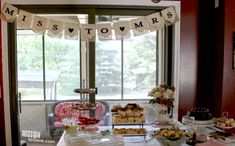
[139, 66]
[29, 57]
[62, 65]
[108, 69]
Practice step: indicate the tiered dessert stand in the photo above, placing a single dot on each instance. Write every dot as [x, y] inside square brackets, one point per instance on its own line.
[128, 124]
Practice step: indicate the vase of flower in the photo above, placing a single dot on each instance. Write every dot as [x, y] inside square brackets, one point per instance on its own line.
[71, 131]
[163, 101]
[161, 112]
[70, 126]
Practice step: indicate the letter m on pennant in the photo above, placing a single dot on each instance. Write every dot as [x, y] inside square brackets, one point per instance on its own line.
[7, 11]
[10, 12]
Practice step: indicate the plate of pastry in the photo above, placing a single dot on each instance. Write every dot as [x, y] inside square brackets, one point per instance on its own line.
[130, 131]
[224, 123]
[116, 119]
[223, 137]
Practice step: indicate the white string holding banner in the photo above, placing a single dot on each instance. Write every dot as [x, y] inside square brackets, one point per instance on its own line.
[57, 28]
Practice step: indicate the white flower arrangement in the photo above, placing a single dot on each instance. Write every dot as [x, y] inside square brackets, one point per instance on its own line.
[69, 122]
[162, 94]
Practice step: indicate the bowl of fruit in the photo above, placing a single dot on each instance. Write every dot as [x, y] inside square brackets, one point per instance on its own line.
[170, 136]
[224, 122]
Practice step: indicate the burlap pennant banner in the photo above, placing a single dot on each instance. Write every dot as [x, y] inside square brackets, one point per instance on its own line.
[122, 29]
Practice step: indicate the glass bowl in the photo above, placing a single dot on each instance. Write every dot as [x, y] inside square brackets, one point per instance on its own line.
[168, 142]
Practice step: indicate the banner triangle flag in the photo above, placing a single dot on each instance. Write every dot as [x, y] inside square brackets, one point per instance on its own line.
[55, 28]
[24, 19]
[122, 29]
[169, 15]
[71, 30]
[10, 12]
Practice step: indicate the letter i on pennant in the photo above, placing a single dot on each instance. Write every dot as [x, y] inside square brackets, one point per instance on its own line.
[24, 19]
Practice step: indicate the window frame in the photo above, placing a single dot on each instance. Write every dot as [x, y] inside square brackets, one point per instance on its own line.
[92, 11]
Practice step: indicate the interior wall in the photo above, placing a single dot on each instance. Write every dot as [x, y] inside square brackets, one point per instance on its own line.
[210, 56]
[228, 98]
[188, 55]
[216, 78]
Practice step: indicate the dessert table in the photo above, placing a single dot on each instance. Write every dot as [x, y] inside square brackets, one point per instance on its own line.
[141, 141]
[128, 141]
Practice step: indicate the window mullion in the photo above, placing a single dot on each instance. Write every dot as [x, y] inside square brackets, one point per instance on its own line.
[161, 57]
[122, 73]
[165, 56]
[157, 58]
[43, 67]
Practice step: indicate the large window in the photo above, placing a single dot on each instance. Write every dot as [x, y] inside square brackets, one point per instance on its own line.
[51, 68]
[48, 68]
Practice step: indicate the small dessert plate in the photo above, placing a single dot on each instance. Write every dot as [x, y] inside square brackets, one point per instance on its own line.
[226, 127]
[163, 123]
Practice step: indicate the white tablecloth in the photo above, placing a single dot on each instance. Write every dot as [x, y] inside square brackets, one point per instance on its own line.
[133, 141]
